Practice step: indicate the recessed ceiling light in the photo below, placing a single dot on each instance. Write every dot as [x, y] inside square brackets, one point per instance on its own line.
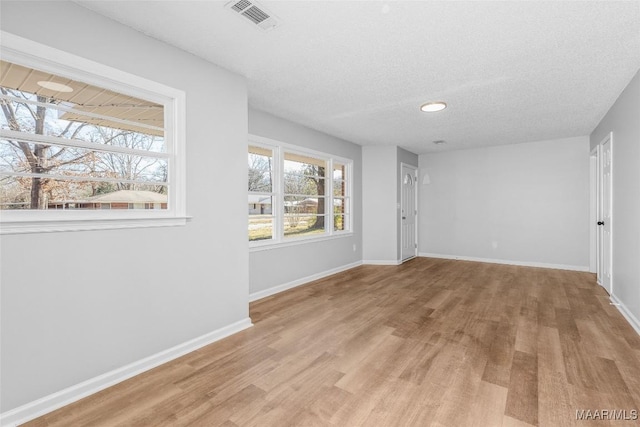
[431, 107]
[57, 87]
[440, 142]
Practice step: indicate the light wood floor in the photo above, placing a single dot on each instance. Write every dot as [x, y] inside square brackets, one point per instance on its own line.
[429, 343]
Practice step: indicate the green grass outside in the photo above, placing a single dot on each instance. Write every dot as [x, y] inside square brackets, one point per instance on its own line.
[260, 227]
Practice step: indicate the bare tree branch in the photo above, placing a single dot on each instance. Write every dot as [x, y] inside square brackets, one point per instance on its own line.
[57, 165]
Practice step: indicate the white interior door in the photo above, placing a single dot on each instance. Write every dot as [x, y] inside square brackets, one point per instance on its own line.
[605, 221]
[409, 212]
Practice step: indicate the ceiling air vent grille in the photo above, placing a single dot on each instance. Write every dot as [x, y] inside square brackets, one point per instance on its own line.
[241, 5]
[255, 14]
[258, 15]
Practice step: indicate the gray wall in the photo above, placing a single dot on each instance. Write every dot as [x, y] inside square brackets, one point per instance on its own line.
[519, 203]
[623, 119]
[379, 182]
[280, 266]
[381, 191]
[79, 304]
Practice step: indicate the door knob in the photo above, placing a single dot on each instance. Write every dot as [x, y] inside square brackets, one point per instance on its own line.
[600, 222]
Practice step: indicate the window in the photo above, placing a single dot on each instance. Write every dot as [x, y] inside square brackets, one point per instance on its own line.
[82, 147]
[304, 195]
[261, 195]
[341, 200]
[292, 195]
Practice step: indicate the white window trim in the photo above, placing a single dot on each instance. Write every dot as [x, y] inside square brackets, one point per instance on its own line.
[297, 241]
[35, 55]
[279, 240]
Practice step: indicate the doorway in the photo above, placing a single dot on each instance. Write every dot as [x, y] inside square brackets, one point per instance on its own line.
[409, 211]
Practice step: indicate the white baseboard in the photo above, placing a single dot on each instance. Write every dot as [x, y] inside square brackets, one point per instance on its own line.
[508, 262]
[281, 288]
[381, 262]
[54, 401]
[633, 320]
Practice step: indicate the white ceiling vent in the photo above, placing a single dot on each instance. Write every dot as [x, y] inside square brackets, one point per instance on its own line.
[255, 13]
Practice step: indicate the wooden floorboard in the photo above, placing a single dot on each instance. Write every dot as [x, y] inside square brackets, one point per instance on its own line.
[428, 343]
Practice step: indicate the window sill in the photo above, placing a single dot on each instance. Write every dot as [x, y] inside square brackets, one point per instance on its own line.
[295, 242]
[49, 226]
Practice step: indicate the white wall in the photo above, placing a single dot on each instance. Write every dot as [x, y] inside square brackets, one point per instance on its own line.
[78, 304]
[623, 119]
[526, 203]
[278, 267]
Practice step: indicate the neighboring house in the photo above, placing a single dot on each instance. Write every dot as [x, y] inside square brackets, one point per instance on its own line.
[308, 205]
[259, 205]
[123, 199]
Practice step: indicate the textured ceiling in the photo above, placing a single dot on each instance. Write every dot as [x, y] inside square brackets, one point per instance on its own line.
[510, 71]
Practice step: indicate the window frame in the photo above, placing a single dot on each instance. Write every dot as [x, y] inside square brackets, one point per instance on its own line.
[31, 54]
[327, 164]
[347, 198]
[275, 203]
[279, 149]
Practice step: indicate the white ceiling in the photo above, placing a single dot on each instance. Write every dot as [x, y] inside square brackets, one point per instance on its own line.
[510, 72]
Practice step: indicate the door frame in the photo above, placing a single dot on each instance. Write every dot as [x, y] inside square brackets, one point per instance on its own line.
[594, 211]
[597, 211]
[415, 196]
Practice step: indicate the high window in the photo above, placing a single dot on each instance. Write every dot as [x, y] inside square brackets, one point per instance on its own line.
[296, 194]
[83, 147]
